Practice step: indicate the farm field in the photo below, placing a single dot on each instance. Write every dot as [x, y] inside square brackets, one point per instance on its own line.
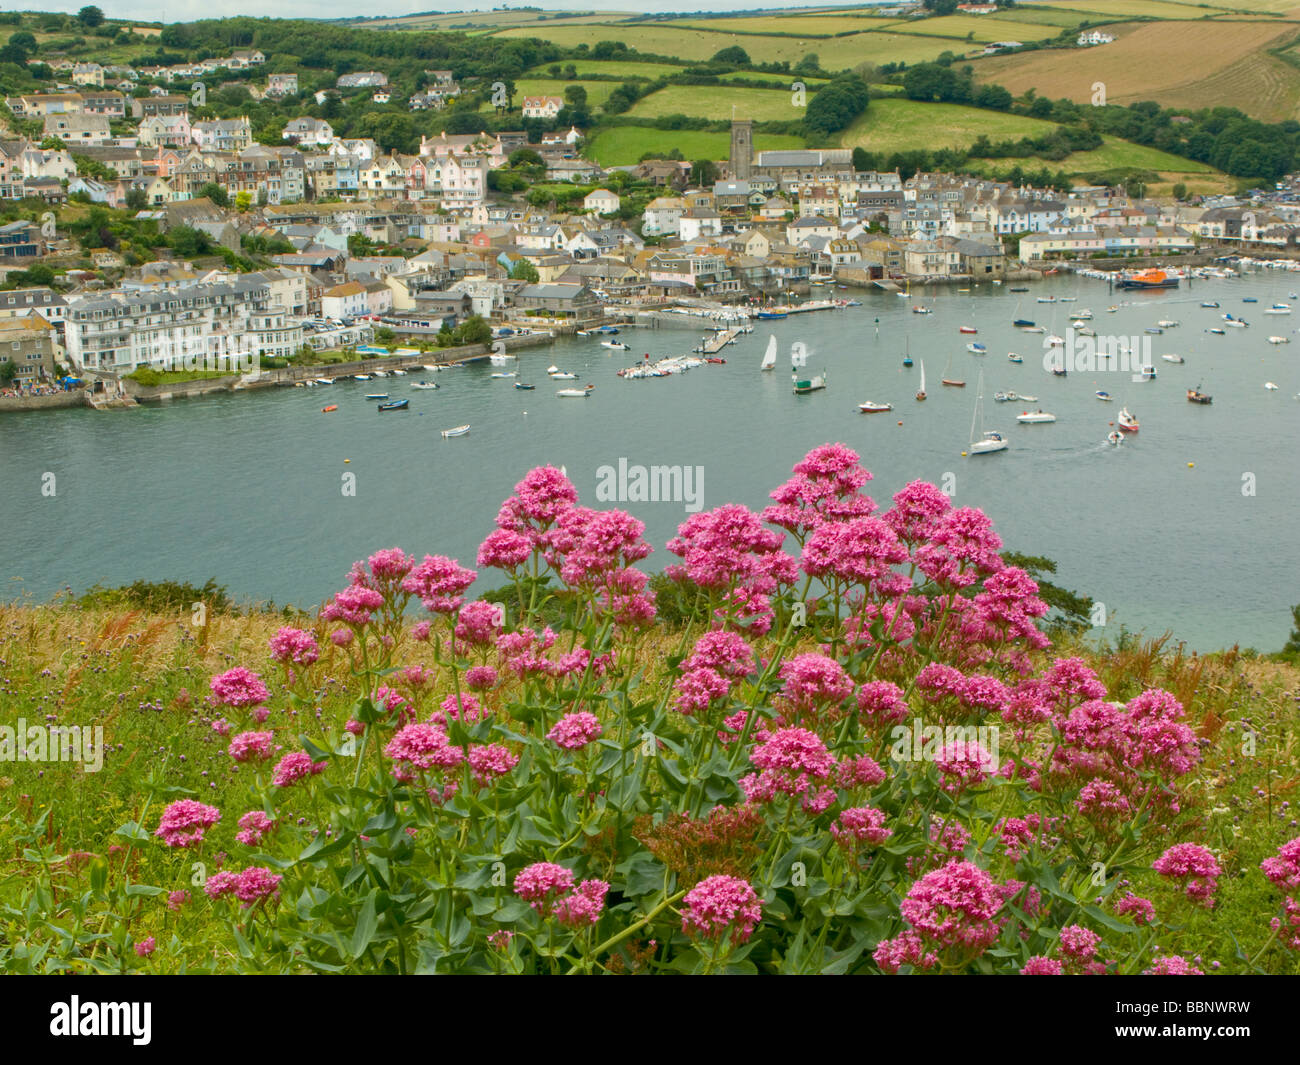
[1163, 9]
[625, 145]
[490, 20]
[1150, 62]
[836, 53]
[791, 25]
[597, 91]
[623, 71]
[716, 102]
[899, 125]
[981, 28]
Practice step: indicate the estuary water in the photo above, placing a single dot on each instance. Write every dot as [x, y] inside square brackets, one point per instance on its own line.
[249, 489]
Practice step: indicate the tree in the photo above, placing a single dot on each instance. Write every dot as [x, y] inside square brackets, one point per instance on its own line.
[1180, 191]
[472, 330]
[90, 16]
[863, 160]
[576, 97]
[8, 371]
[735, 56]
[215, 193]
[704, 172]
[523, 270]
[188, 242]
[243, 200]
[24, 41]
[136, 200]
[525, 157]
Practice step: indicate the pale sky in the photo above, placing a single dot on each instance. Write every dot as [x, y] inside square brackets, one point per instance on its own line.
[189, 10]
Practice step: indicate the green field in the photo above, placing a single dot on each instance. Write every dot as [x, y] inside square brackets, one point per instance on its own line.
[789, 25]
[1129, 9]
[718, 102]
[981, 28]
[607, 67]
[624, 145]
[597, 91]
[900, 125]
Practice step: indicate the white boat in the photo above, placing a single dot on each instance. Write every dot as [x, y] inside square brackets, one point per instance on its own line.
[1148, 372]
[557, 376]
[1029, 399]
[1279, 308]
[988, 441]
[1173, 358]
[1270, 386]
[920, 392]
[431, 368]
[324, 380]
[1083, 315]
[460, 430]
[1033, 329]
[361, 377]
[769, 356]
[1115, 438]
[381, 373]
[1279, 340]
[1046, 299]
[1105, 397]
[977, 349]
[509, 373]
[1217, 331]
[399, 373]
[874, 408]
[1054, 341]
[575, 393]
[1035, 417]
[1126, 421]
[1166, 323]
[1005, 397]
[1014, 357]
[613, 345]
[501, 360]
[424, 385]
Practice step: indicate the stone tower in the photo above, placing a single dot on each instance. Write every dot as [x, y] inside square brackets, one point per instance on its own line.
[742, 148]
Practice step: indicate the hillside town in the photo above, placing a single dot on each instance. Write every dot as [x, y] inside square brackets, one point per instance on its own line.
[321, 243]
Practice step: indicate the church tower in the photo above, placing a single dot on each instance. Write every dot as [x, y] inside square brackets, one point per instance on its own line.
[742, 148]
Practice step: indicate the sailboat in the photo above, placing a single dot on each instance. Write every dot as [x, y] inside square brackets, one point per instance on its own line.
[920, 392]
[907, 354]
[987, 441]
[952, 382]
[769, 356]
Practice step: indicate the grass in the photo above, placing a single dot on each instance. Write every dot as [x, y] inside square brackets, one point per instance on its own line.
[1161, 9]
[981, 28]
[623, 71]
[790, 25]
[624, 145]
[900, 125]
[1150, 62]
[597, 91]
[717, 102]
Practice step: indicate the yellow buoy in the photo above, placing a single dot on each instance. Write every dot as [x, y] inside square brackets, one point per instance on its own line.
[1191, 465]
[963, 454]
[347, 460]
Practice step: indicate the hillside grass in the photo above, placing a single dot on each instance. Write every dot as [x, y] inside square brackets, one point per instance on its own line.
[624, 145]
[719, 102]
[901, 125]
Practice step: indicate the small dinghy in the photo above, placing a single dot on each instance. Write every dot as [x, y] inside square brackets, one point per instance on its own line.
[397, 404]
[1105, 397]
[523, 387]
[460, 430]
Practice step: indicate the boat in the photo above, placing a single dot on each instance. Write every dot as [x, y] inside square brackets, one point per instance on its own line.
[1005, 397]
[920, 392]
[361, 377]
[1236, 323]
[523, 387]
[460, 430]
[951, 382]
[1068, 299]
[1154, 330]
[399, 373]
[1146, 279]
[1014, 357]
[397, 404]
[575, 393]
[324, 380]
[769, 356]
[381, 373]
[1046, 299]
[1279, 340]
[1105, 397]
[1034, 329]
[331, 407]
[1210, 303]
[1270, 386]
[967, 329]
[804, 385]
[432, 368]
[1278, 308]
[1148, 372]
[1167, 323]
[988, 441]
[1018, 288]
[1126, 421]
[768, 316]
[919, 309]
[614, 345]
[1084, 315]
[977, 349]
[874, 408]
[1060, 370]
[1038, 417]
[564, 377]
[1195, 395]
[509, 373]
[1249, 299]
[1115, 437]
[425, 385]
[1173, 358]
[1022, 323]
[1029, 399]
[1055, 341]
[377, 395]
[1217, 331]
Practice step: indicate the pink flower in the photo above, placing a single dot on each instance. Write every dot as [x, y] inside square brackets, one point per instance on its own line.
[728, 549]
[177, 899]
[255, 827]
[1141, 909]
[1284, 870]
[721, 907]
[860, 772]
[575, 730]
[490, 761]
[252, 747]
[219, 884]
[440, 582]
[464, 708]
[906, 948]
[341, 637]
[916, 511]
[813, 680]
[294, 645]
[881, 704]
[478, 623]
[588, 546]
[184, 822]
[355, 605]
[699, 689]
[420, 631]
[146, 947]
[858, 825]
[1040, 966]
[1194, 864]
[1289, 930]
[221, 727]
[725, 652]
[955, 906]
[238, 688]
[1079, 944]
[500, 939]
[480, 678]
[541, 884]
[826, 488]
[539, 500]
[1172, 965]
[383, 569]
[504, 549]
[295, 766]
[860, 552]
[256, 883]
[963, 764]
[583, 907]
[421, 747]
[961, 549]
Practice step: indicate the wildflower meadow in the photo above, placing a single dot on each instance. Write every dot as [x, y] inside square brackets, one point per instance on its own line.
[834, 738]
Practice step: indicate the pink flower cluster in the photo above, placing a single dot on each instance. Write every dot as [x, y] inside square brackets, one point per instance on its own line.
[954, 908]
[860, 825]
[250, 886]
[252, 746]
[239, 688]
[721, 907]
[293, 646]
[490, 761]
[789, 760]
[440, 582]
[294, 767]
[541, 884]
[254, 826]
[183, 823]
[1194, 864]
[575, 730]
[421, 747]
[583, 907]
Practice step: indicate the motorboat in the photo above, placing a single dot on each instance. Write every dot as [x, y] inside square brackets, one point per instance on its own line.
[1105, 397]
[425, 385]
[399, 404]
[874, 408]
[1035, 417]
[460, 430]
[1173, 358]
[1126, 421]
[1014, 357]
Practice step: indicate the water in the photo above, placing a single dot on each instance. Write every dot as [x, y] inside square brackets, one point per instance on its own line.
[247, 488]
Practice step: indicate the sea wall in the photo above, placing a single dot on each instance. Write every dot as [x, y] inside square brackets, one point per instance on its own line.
[62, 399]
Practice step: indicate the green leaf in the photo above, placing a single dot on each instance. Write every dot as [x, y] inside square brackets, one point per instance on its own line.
[147, 890]
[317, 754]
[364, 932]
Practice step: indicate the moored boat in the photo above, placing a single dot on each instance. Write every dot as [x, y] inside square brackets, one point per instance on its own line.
[874, 408]
[1035, 417]
[460, 430]
[398, 404]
